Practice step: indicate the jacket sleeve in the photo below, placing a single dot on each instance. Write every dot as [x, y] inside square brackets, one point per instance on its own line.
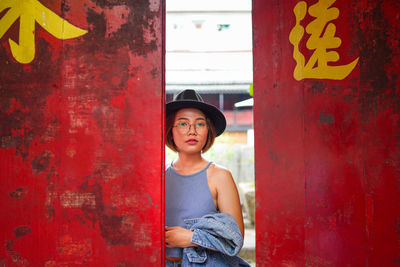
[218, 232]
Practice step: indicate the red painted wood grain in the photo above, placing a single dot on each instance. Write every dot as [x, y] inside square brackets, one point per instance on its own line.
[81, 140]
[327, 152]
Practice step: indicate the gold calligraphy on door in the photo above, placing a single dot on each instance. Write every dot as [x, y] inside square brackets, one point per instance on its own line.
[322, 42]
[29, 13]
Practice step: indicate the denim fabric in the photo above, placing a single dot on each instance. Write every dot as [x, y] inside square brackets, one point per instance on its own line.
[219, 240]
[173, 263]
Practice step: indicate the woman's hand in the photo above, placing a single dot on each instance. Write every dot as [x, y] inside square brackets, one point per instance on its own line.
[177, 236]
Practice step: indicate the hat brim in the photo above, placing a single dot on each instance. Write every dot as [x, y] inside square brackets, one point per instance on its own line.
[213, 113]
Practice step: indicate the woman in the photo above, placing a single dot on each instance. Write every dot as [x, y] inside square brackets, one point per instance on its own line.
[204, 223]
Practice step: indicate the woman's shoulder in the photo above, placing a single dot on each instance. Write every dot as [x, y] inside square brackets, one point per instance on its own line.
[219, 172]
[221, 179]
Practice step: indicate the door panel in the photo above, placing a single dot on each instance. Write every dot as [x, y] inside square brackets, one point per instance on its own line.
[327, 132]
[81, 136]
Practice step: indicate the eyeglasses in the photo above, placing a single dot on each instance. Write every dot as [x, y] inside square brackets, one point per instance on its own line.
[184, 127]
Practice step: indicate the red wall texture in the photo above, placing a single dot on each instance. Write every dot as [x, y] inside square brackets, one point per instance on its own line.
[327, 149]
[81, 133]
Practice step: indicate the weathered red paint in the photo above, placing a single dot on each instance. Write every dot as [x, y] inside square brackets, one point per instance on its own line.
[328, 152]
[81, 140]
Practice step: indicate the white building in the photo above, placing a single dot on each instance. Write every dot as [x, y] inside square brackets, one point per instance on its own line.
[209, 48]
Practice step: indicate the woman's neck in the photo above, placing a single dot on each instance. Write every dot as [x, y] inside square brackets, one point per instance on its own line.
[188, 162]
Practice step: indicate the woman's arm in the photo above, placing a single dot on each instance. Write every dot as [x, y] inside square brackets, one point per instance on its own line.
[227, 195]
[177, 236]
[228, 201]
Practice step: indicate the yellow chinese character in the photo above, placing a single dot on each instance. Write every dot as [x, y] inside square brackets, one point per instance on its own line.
[29, 12]
[317, 66]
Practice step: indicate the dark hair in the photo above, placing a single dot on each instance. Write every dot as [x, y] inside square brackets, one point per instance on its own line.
[169, 140]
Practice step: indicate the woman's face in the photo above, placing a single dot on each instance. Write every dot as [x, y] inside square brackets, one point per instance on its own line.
[190, 130]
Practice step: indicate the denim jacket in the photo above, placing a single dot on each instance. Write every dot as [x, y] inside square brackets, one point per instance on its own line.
[219, 239]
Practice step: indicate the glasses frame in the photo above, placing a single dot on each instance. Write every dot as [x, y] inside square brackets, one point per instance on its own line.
[190, 126]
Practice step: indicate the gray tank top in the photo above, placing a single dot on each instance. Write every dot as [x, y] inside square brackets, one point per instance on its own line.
[186, 197]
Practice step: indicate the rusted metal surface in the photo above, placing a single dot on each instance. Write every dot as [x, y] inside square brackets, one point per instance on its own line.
[81, 135]
[327, 149]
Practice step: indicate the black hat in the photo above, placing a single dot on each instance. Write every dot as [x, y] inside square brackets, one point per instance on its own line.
[189, 98]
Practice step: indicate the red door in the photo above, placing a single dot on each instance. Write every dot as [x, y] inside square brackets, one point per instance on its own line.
[327, 136]
[81, 136]
[81, 133]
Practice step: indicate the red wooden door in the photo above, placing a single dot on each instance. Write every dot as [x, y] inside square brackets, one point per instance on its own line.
[327, 136]
[81, 98]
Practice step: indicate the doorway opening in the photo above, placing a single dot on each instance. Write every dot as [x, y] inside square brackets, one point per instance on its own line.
[209, 49]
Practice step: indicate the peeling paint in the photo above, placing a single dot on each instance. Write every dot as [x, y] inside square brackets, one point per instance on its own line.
[316, 87]
[111, 225]
[22, 230]
[116, 17]
[154, 5]
[15, 256]
[72, 199]
[379, 80]
[68, 246]
[41, 163]
[25, 119]
[326, 118]
[19, 193]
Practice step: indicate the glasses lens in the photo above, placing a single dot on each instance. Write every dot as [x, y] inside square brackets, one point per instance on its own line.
[184, 127]
[200, 127]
